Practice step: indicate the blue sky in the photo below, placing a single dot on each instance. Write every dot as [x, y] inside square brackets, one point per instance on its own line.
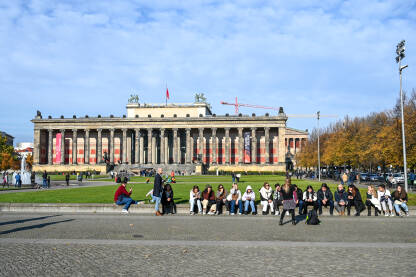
[87, 57]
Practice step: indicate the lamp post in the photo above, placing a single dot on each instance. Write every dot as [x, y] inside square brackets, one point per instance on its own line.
[400, 55]
[318, 114]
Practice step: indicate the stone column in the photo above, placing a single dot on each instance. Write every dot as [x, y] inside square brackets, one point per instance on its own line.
[36, 146]
[188, 159]
[214, 145]
[282, 148]
[162, 146]
[166, 150]
[175, 145]
[253, 146]
[154, 150]
[50, 146]
[240, 145]
[87, 147]
[266, 145]
[227, 145]
[141, 150]
[149, 145]
[124, 157]
[99, 153]
[136, 146]
[111, 145]
[74, 146]
[62, 146]
[201, 144]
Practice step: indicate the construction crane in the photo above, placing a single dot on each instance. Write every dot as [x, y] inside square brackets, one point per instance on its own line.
[318, 116]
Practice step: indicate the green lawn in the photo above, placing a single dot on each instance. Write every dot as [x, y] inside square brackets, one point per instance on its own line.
[104, 194]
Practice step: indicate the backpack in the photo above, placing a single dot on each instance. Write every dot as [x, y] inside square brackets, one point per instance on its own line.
[312, 218]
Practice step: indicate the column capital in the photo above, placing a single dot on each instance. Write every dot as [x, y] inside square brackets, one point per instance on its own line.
[266, 128]
[213, 130]
[124, 130]
[62, 130]
[253, 128]
[188, 130]
[227, 128]
[50, 130]
[87, 131]
[99, 130]
[112, 131]
[162, 131]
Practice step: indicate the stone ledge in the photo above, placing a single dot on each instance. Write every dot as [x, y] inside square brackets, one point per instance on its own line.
[110, 208]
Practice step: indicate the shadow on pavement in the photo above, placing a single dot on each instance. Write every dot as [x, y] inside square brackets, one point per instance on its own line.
[33, 226]
[25, 220]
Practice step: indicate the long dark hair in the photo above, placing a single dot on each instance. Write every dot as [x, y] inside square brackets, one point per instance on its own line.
[307, 190]
[195, 187]
[168, 187]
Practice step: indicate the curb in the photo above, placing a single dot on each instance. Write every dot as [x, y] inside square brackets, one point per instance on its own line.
[112, 208]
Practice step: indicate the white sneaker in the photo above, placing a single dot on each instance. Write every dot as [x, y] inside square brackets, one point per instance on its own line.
[392, 215]
[287, 213]
[232, 213]
[239, 213]
[210, 213]
[124, 211]
[277, 213]
[407, 213]
[386, 214]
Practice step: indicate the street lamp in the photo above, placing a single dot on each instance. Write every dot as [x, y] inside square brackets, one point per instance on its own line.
[318, 115]
[400, 55]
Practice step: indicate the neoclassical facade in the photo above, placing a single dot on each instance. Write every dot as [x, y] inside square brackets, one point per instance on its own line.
[165, 135]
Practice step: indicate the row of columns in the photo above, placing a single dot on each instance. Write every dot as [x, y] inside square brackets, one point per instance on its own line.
[139, 145]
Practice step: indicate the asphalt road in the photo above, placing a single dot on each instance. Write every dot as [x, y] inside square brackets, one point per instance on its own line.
[108, 245]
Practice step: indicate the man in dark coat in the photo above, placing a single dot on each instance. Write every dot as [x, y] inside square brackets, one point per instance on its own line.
[158, 190]
[326, 199]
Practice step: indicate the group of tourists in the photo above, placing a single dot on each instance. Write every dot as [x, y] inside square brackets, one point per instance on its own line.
[276, 200]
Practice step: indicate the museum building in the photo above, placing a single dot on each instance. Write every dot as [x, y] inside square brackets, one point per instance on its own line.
[174, 136]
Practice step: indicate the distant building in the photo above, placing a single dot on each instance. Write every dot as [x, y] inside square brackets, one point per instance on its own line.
[174, 136]
[24, 148]
[8, 137]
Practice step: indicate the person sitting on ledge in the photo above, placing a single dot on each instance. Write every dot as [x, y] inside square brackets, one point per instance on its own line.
[325, 199]
[341, 200]
[195, 199]
[277, 199]
[384, 197]
[400, 201]
[208, 201]
[372, 201]
[354, 199]
[249, 198]
[234, 198]
[309, 199]
[266, 198]
[221, 198]
[167, 200]
[122, 197]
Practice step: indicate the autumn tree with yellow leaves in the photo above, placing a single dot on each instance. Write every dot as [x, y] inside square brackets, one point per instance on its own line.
[365, 142]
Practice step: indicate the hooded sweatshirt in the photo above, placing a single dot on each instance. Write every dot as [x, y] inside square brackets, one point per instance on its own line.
[266, 194]
[250, 195]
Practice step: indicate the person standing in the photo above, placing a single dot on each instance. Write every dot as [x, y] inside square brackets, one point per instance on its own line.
[158, 190]
[289, 203]
[67, 179]
[18, 180]
[45, 179]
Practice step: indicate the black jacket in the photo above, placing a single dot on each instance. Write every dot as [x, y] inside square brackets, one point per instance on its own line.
[299, 194]
[328, 194]
[157, 186]
[166, 195]
[289, 194]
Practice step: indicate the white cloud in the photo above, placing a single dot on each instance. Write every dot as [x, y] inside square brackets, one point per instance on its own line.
[84, 57]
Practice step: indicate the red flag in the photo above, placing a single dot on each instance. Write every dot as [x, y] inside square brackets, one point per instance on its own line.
[167, 93]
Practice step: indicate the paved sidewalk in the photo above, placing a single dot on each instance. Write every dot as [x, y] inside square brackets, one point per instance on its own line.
[108, 245]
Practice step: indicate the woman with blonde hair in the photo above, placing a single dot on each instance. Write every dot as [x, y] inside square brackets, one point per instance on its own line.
[372, 201]
[289, 201]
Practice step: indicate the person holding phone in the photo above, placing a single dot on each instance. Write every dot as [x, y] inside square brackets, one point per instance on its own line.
[122, 197]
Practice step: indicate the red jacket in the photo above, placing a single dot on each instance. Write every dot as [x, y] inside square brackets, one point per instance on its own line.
[121, 191]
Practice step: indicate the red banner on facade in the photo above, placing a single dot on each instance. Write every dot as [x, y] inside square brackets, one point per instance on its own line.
[247, 152]
[58, 148]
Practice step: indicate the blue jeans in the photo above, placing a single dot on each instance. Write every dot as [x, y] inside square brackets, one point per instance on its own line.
[126, 201]
[251, 203]
[403, 205]
[45, 184]
[157, 200]
[240, 206]
[329, 202]
[300, 203]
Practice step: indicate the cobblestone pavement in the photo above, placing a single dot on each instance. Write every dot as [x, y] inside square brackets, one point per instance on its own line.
[108, 245]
